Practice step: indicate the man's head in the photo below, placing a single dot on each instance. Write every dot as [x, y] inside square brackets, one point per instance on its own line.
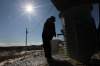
[52, 19]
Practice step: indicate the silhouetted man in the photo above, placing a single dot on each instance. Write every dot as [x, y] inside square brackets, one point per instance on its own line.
[47, 35]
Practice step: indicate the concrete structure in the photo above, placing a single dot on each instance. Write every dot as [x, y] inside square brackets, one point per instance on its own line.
[79, 29]
[56, 45]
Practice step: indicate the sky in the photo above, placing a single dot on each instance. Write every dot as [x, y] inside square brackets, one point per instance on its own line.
[14, 19]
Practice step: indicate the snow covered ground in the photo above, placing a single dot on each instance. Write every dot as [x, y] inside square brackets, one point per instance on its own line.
[33, 59]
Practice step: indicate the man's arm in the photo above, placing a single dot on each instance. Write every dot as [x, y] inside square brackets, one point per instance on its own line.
[54, 29]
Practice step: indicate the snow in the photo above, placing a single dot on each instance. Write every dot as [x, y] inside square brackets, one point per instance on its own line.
[32, 59]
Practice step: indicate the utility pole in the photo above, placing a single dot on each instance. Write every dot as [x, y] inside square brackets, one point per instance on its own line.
[26, 37]
[26, 48]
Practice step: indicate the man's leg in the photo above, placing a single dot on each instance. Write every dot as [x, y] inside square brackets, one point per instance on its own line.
[47, 48]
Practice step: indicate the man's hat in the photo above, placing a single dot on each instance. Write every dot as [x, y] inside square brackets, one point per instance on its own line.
[52, 17]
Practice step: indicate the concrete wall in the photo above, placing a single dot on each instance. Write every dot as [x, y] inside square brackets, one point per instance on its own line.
[79, 29]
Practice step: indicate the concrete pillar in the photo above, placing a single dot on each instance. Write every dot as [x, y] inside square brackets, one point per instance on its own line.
[79, 28]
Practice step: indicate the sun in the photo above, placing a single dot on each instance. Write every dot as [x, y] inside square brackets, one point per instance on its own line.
[29, 8]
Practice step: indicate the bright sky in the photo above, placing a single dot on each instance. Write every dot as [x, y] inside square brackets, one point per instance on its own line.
[15, 17]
